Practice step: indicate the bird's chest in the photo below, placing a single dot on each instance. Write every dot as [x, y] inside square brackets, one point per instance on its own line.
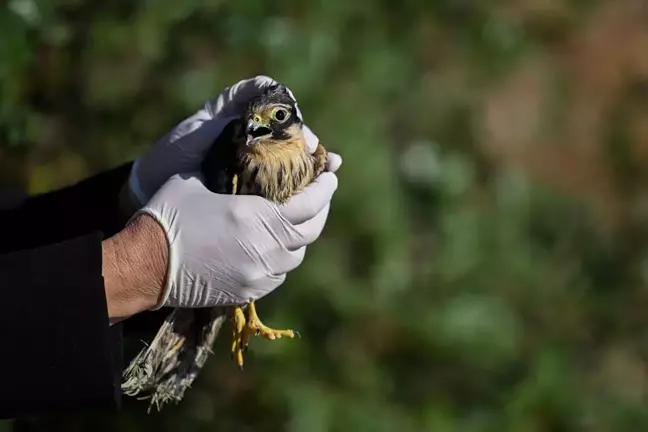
[275, 177]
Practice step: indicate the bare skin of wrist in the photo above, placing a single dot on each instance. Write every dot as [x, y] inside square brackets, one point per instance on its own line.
[134, 268]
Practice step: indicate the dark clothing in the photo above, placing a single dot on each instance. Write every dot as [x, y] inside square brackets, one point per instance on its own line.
[87, 207]
[58, 351]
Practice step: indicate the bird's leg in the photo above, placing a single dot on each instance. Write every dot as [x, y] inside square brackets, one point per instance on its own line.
[256, 327]
[239, 336]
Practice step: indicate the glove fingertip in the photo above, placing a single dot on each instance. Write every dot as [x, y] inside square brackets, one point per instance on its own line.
[311, 139]
[263, 81]
[321, 190]
[309, 202]
[333, 162]
[328, 180]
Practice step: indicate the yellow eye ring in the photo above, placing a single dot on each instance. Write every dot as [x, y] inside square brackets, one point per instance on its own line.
[280, 114]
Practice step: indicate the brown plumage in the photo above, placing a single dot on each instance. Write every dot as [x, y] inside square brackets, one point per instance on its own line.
[269, 156]
[264, 154]
[278, 170]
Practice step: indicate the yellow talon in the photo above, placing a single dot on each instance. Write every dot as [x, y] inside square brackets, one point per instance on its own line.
[242, 328]
[256, 327]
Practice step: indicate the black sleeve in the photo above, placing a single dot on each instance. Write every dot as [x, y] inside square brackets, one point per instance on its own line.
[88, 206]
[59, 352]
[54, 322]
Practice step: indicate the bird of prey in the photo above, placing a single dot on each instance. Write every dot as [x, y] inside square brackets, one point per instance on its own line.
[264, 153]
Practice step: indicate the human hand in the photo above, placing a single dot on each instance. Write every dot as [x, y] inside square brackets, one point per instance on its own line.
[224, 250]
[184, 148]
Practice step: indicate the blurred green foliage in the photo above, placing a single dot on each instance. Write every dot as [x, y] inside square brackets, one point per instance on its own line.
[485, 267]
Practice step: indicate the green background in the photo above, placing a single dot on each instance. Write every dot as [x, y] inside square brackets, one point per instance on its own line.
[485, 264]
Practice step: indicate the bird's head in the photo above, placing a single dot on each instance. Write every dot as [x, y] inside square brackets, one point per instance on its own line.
[272, 118]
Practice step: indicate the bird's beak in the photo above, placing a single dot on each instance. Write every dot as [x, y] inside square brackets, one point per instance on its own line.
[254, 131]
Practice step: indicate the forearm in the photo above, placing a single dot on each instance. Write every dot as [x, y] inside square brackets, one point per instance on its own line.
[134, 268]
[91, 205]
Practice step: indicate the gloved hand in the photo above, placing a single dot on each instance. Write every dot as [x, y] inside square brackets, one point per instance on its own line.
[184, 148]
[227, 249]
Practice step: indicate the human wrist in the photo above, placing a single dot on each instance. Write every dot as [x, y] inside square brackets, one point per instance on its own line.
[134, 267]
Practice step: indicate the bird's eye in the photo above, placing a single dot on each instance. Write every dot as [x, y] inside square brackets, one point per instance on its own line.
[280, 115]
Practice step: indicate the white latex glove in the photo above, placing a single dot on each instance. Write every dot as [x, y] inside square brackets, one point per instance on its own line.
[183, 149]
[227, 249]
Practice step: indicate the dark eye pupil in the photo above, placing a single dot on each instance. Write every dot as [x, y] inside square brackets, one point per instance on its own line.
[280, 115]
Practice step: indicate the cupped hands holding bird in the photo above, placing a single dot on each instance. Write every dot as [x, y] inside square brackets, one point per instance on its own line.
[188, 247]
